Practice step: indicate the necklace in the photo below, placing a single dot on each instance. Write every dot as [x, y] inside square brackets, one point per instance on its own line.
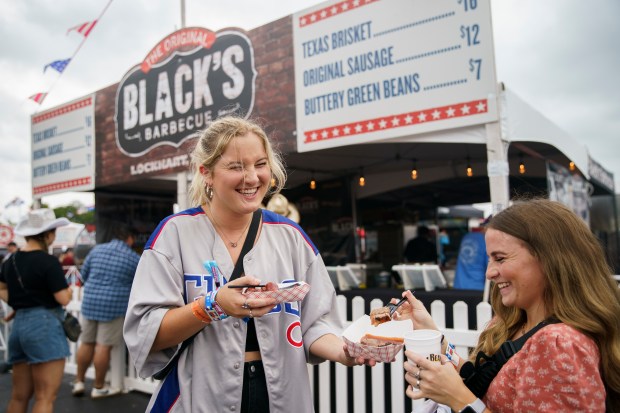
[233, 244]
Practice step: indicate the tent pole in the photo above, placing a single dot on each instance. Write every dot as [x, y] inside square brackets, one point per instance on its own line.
[498, 170]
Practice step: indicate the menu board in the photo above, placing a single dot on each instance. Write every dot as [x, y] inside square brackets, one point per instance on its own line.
[367, 70]
[63, 148]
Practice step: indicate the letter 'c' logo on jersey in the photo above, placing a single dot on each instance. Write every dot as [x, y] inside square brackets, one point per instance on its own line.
[290, 333]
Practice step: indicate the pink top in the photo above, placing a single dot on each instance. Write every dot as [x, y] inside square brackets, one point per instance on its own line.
[557, 370]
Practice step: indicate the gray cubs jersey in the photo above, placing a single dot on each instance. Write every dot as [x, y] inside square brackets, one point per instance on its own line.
[209, 377]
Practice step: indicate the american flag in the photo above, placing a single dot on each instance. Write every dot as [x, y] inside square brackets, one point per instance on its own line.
[84, 28]
[38, 97]
[58, 65]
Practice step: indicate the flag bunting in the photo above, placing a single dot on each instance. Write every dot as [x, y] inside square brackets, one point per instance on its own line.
[84, 29]
[17, 201]
[38, 97]
[58, 65]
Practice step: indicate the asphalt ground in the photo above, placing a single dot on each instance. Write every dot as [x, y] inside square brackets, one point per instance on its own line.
[132, 402]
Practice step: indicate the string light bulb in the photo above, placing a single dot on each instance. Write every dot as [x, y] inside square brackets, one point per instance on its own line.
[312, 182]
[521, 164]
[362, 181]
[470, 171]
[571, 166]
[414, 170]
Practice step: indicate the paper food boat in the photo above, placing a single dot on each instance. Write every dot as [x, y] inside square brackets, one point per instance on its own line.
[287, 292]
[361, 326]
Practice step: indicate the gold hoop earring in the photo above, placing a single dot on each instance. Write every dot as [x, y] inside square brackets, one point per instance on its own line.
[209, 192]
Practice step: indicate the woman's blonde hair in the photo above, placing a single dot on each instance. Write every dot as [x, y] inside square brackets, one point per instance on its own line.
[579, 288]
[214, 140]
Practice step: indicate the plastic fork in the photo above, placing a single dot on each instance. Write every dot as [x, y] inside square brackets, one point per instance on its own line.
[394, 307]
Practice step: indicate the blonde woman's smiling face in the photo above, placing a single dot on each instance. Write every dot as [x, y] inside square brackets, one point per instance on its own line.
[241, 177]
[517, 273]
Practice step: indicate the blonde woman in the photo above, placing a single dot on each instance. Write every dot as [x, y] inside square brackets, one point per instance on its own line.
[251, 357]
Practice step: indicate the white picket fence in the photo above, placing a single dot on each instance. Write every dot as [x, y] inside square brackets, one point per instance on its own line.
[332, 391]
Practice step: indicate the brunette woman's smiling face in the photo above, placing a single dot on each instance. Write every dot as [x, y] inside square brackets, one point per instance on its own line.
[517, 273]
[241, 177]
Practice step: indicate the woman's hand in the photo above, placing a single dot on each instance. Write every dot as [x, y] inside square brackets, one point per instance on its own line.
[333, 348]
[351, 361]
[437, 381]
[235, 304]
[414, 310]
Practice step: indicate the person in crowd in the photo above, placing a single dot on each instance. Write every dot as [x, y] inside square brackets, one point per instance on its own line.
[66, 258]
[471, 263]
[33, 283]
[11, 248]
[444, 241]
[545, 265]
[108, 273]
[248, 354]
[421, 249]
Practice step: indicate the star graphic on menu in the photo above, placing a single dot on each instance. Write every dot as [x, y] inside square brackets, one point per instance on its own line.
[408, 119]
[395, 121]
[450, 112]
[422, 117]
[436, 114]
[335, 132]
[481, 107]
[465, 109]
[370, 126]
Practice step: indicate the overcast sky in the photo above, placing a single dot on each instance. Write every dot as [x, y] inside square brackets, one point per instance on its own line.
[560, 56]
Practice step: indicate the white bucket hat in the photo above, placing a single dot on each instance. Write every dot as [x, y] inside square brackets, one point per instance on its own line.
[39, 221]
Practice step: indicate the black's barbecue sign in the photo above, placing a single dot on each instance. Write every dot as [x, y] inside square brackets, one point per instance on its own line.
[174, 93]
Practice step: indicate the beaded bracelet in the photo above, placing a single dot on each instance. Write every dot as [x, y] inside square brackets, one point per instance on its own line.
[199, 313]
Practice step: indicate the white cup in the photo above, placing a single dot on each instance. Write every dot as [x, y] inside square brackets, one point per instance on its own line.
[427, 343]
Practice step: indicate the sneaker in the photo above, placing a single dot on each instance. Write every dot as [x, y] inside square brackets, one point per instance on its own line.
[78, 388]
[106, 391]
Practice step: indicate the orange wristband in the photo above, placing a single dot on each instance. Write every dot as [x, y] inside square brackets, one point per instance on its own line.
[199, 312]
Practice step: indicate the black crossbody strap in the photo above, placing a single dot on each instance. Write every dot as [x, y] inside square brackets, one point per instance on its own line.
[510, 348]
[237, 271]
[19, 276]
[247, 245]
